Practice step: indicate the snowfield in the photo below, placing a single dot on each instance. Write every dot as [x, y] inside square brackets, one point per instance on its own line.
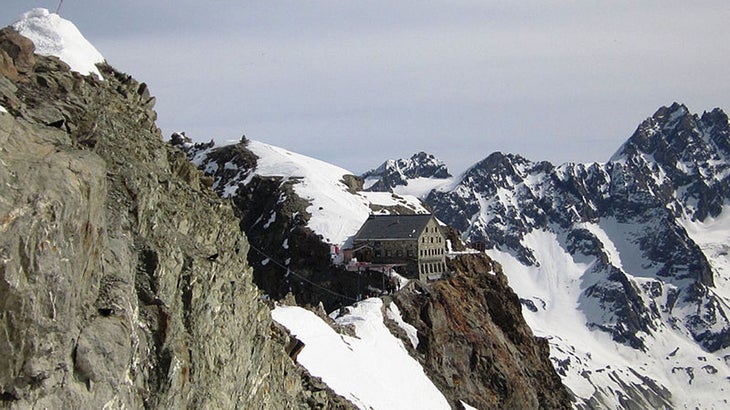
[336, 214]
[372, 370]
[590, 360]
[420, 187]
[713, 237]
[55, 36]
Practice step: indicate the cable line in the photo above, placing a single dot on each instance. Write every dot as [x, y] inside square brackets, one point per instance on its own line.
[289, 271]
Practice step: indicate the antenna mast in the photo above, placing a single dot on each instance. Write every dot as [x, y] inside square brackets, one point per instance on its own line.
[60, 3]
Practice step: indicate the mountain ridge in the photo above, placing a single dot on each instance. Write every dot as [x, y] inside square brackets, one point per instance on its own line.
[622, 230]
[621, 267]
[294, 258]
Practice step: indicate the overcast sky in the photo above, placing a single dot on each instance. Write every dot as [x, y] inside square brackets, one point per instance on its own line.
[357, 82]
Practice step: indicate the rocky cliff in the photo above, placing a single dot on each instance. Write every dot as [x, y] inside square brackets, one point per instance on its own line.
[474, 342]
[123, 279]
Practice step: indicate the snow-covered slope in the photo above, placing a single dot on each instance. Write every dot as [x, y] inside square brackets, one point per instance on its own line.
[713, 237]
[669, 369]
[298, 214]
[372, 370]
[623, 265]
[55, 36]
[336, 210]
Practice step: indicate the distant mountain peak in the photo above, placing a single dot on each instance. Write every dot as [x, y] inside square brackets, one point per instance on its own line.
[674, 110]
[393, 173]
[675, 134]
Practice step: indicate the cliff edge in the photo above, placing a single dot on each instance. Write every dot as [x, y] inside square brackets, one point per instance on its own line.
[123, 278]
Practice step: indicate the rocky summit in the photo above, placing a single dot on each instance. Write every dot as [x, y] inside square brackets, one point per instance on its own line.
[393, 173]
[123, 280]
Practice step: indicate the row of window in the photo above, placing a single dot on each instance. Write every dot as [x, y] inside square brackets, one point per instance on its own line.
[409, 252]
[438, 239]
[432, 252]
[398, 253]
[436, 267]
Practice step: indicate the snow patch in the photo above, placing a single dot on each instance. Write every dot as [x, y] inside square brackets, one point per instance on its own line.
[372, 370]
[623, 245]
[713, 237]
[55, 36]
[466, 406]
[369, 182]
[230, 191]
[3, 110]
[272, 219]
[336, 213]
[393, 314]
[421, 187]
[614, 256]
[388, 199]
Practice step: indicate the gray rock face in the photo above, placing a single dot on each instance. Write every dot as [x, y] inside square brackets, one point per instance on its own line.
[123, 280]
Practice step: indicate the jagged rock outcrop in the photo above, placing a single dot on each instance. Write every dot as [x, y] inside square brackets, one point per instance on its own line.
[637, 245]
[16, 54]
[123, 279]
[474, 342]
[674, 168]
[392, 173]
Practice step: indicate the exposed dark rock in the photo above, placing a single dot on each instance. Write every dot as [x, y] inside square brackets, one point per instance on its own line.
[354, 183]
[286, 255]
[474, 343]
[109, 293]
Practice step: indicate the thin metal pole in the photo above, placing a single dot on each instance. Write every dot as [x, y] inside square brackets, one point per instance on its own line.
[58, 9]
